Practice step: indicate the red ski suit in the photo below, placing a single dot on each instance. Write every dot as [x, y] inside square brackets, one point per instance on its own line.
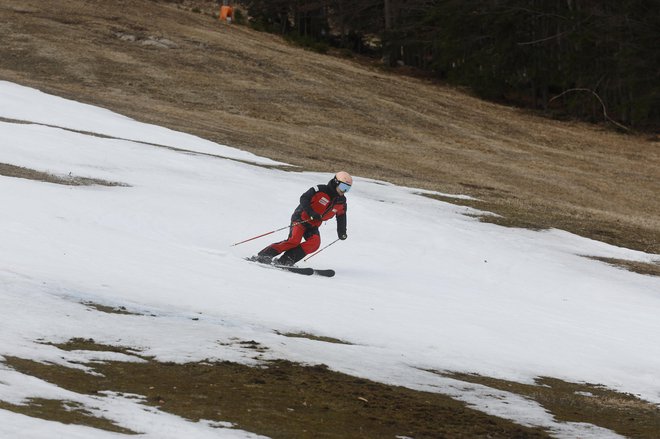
[322, 200]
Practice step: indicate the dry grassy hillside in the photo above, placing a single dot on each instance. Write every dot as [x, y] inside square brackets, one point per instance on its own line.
[160, 62]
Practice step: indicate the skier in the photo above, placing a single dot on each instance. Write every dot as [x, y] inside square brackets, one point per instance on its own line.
[320, 203]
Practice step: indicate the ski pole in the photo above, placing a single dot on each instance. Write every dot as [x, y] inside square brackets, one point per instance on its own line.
[316, 253]
[268, 233]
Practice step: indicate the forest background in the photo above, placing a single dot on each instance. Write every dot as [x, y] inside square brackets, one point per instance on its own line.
[583, 59]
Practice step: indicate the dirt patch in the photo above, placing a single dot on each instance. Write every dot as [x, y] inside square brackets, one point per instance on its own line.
[525, 214]
[109, 309]
[66, 412]
[247, 344]
[68, 180]
[88, 344]
[254, 91]
[648, 268]
[283, 400]
[314, 337]
[623, 413]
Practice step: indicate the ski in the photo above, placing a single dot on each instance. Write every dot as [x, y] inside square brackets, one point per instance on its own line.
[326, 273]
[298, 270]
[306, 271]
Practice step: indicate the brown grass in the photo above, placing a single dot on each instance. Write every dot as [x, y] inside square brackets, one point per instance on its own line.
[68, 180]
[648, 268]
[309, 336]
[287, 400]
[66, 412]
[583, 402]
[281, 400]
[109, 309]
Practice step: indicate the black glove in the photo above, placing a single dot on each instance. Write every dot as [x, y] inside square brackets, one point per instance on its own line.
[342, 236]
[316, 217]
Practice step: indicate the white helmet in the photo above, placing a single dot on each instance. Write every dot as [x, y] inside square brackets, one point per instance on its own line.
[344, 177]
[343, 181]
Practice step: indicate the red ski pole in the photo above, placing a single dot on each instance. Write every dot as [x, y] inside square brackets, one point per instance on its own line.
[268, 233]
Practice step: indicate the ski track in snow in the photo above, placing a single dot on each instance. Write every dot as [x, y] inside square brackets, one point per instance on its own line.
[419, 285]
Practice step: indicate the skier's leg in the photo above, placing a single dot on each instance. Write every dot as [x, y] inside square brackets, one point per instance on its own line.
[291, 256]
[295, 236]
[266, 255]
[311, 244]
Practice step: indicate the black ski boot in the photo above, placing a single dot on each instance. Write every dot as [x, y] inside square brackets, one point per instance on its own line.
[292, 256]
[265, 256]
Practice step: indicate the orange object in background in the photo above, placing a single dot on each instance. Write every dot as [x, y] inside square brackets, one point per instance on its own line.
[226, 13]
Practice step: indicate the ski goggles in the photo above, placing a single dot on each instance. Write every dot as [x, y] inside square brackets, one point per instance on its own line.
[344, 187]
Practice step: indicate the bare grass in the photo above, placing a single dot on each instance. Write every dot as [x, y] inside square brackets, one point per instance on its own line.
[648, 268]
[66, 412]
[623, 413]
[68, 180]
[282, 399]
[279, 399]
[308, 336]
[109, 309]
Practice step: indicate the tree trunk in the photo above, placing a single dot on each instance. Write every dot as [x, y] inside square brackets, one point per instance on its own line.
[388, 15]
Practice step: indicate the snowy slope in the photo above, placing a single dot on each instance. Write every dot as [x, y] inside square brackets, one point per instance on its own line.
[419, 285]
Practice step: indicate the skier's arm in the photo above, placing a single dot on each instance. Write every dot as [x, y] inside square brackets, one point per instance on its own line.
[341, 226]
[306, 202]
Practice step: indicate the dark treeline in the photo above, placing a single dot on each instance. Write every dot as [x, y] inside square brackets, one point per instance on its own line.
[595, 60]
